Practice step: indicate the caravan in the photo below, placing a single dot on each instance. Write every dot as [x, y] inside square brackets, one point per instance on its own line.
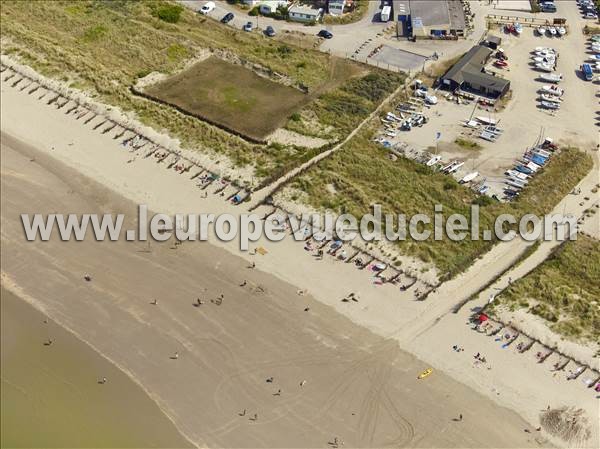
[386, 13]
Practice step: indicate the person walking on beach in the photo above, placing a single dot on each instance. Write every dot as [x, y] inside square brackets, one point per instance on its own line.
[103, 381]
[154, 302]
[460, 417]
[253, 265]
[278, 393]
[243, 284]
[243, 413]
[175, 356]
[255, 417]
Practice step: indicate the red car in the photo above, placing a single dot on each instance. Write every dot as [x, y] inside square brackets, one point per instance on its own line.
[500, 63]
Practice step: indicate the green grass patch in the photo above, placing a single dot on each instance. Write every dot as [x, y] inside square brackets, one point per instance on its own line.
[468, 144]
[564, 290]
[94, 33]
[177, 52]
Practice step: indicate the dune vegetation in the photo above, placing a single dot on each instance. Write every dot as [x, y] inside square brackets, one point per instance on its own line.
[103, 47]
[564, 290]
[362, 174]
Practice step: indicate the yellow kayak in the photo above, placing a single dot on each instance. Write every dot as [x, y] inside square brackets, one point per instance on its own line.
[425, 373]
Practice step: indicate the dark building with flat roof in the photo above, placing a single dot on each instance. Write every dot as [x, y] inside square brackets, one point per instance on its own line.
[468, 74]
[493, 41]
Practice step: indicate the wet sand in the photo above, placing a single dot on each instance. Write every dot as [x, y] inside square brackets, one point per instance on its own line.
[51, 396]
[359, 387]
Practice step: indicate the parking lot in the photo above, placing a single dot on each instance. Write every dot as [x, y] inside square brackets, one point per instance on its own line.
[402, 59]
[522, 118]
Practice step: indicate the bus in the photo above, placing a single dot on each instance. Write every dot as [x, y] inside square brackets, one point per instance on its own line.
[587, 72]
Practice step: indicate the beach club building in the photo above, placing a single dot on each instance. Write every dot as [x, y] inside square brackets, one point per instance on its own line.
[469, 74]
[429, 18]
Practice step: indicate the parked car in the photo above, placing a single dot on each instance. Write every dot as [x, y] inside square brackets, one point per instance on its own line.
[248, 26]
[591, 15]
[207, 7]
[227, 18]
[325, 34]
[270, 31]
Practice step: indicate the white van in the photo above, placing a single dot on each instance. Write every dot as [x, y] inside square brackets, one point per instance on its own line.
[207, 7]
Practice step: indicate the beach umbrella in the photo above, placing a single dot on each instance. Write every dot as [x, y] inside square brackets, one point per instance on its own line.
[483, 317]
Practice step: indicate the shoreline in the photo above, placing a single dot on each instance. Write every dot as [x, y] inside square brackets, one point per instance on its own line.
[54, 388]
[378, 311]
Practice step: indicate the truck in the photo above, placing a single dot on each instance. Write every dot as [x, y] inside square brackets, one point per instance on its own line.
[385, 14]
[587, 72]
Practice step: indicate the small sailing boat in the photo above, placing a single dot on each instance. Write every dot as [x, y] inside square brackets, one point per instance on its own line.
[434, 160]
[550, 105]
[469, 177]
[552, 77]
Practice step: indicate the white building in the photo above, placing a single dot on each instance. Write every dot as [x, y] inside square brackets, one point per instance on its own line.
[336, 7]
[304, 13]
[266, 6]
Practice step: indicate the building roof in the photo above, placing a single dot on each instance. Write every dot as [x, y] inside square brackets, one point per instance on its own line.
[457, 14]
[305, 9]
[494, 39]
[469, 69]
[431, 12]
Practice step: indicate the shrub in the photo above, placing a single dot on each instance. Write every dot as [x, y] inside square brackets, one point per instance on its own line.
[284, 50]
[168, 13]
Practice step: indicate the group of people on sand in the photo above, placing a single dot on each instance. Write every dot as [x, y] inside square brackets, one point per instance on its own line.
[479, 358]
[350, 297]
[269, 380]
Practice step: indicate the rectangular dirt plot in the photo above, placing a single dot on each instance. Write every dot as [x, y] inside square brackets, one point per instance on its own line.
[230, 96]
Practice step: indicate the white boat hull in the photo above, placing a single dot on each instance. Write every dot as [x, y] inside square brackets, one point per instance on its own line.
[552, 78]
[469, 177]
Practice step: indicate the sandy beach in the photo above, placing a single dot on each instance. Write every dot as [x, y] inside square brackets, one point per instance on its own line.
[360, 387]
